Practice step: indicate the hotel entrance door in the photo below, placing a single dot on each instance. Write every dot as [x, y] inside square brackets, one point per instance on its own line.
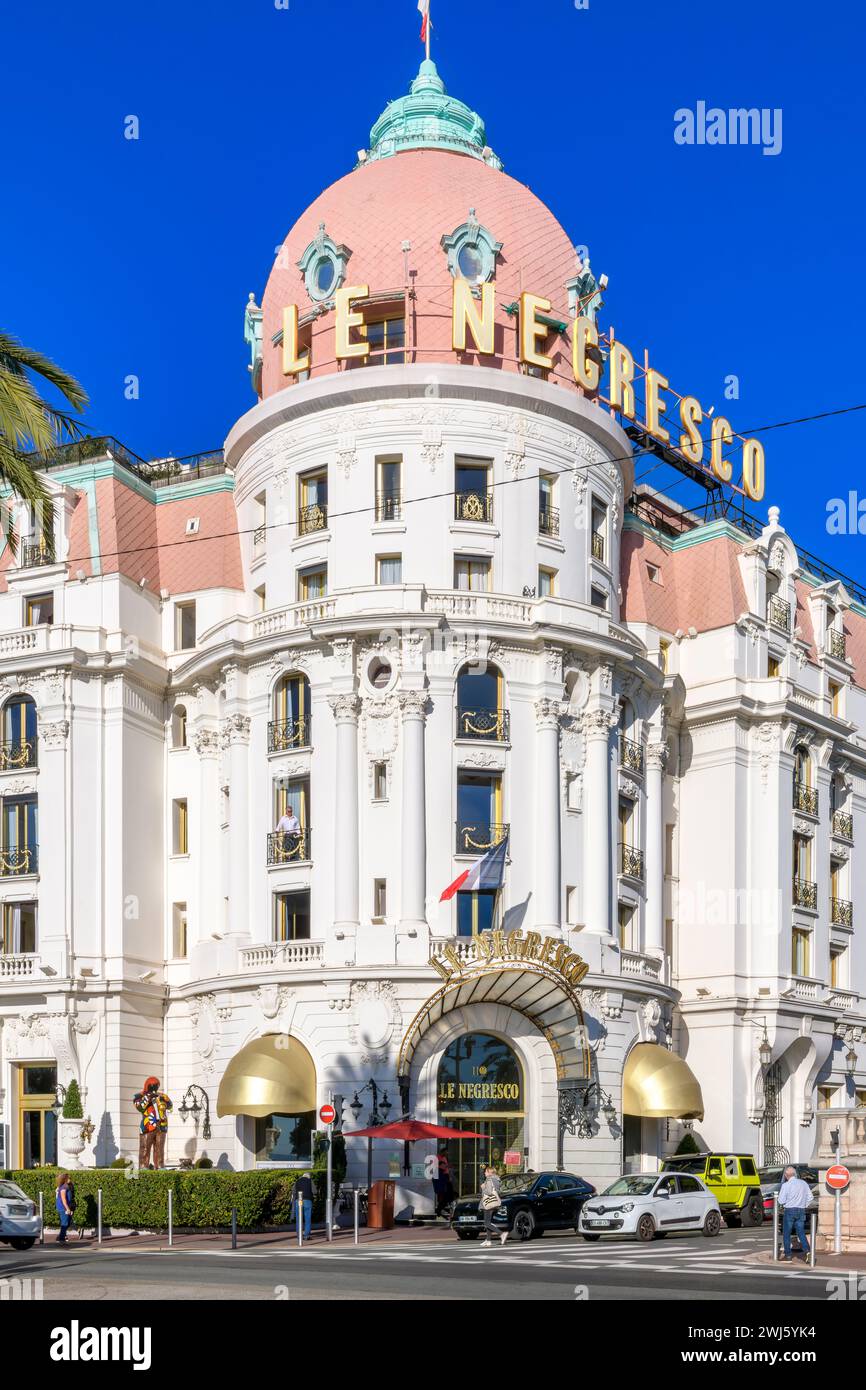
[467, 1157]
[480, 1088]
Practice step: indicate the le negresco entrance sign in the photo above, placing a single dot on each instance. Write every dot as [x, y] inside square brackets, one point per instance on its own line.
[512, 947]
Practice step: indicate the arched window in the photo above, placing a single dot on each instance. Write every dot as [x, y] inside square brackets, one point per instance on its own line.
[290, 726]
[481, 1088]
[802, 766]
[178, 727]
[19, 744]
[805, 795]
[630, 750]
[481, 711]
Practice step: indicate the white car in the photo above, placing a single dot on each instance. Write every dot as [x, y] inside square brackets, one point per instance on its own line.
[20, 1225]
[649, 1205]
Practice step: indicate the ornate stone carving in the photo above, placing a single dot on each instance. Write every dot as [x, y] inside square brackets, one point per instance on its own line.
[345, 708]
[597, 723]
[54, 735]
[413, 704]
[236, 729]
[656, 755]
[206, 743]
[547, 713]
[767, 739]
[347, 455]
[630, 789]
[375, 1017]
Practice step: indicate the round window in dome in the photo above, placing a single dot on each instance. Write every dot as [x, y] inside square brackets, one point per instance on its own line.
[378, 673]
[471, 263]
[325, 275]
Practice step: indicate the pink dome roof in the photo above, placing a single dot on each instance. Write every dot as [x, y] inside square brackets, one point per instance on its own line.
[420, 196]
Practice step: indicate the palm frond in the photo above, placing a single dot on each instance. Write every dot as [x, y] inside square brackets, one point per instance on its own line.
[17, 473]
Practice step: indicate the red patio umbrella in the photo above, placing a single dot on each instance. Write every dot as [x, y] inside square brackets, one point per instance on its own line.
[409, 1130]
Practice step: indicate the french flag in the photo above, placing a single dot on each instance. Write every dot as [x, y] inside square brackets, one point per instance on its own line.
[424, 7]
[486, 872]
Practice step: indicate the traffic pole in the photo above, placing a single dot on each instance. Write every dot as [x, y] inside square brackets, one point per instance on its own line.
[234, 1228]
[170, 1215]
[99, 1215]
[837, 1211]
[357, 1194]
[775, 1227]
[813, 1231]
[329, 1199]
[41, 1220]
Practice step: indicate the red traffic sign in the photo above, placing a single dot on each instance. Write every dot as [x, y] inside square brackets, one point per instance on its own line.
[327, 1114]
[838, 1177]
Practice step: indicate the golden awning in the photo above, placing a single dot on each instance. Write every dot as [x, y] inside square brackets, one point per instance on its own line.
[658, 1085]
[274, 1075]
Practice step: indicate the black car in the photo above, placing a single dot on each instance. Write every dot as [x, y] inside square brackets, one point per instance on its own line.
[532, 1203]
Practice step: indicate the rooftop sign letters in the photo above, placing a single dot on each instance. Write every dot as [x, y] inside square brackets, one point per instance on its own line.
[473, 317]
[503, 950]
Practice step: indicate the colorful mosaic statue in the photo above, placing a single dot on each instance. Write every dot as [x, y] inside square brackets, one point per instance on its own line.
[153, 1106]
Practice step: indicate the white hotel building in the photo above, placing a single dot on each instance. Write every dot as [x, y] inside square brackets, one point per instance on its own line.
[416, 600]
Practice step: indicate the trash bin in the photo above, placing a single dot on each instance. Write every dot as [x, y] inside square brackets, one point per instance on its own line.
[380, 1206]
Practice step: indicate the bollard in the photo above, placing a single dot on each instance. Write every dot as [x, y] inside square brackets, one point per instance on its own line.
[170, 1215]
[356, 1194]
[234, 1228]
[41, 1220]
[813, 1231]
[775, 1228]
[99, 1216]
[299, 1217]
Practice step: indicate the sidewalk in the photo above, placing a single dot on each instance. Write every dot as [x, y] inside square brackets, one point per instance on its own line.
[188, 1241]
[825, 1263]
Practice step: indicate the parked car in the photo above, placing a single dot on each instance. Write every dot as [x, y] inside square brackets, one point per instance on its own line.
[532, 1203]
[733, 1181]
[649, 1206]
[20, 1225]
[771, 1181]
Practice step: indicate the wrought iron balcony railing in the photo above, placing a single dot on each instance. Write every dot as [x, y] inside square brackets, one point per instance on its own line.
[597, 546]
[260, 536]
[314, 518]
[837, 644]
[289, 847]
[473, 506]
[805, 893]
[630, 755]
[16, 861]
[631, 862]
[286, 734]
[548, 521]
[493, 725]
[843, 825]
[35, 553]
[805, 799]
[841, 912]
[779, 614]
[389, 506]
[17, 753]
[474, 838]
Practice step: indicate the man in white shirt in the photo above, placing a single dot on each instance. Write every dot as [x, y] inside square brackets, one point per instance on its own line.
[290, 827]
[794, 1196]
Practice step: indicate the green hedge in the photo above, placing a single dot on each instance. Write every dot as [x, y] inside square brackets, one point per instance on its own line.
[203, 1199]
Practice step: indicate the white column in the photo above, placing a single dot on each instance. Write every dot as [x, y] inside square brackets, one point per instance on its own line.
[548, 858]
[53, 826]
[237, 729]
[345, 709]
[597, 907]
[413, 707]
[654, 937]
[209, 917]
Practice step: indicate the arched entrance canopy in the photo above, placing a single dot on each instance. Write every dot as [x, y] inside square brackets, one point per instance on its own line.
[658, 1085]
[538, 992]
[271, 1075]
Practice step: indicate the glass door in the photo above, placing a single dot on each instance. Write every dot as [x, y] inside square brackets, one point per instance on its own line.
[37, 1122]
[500, 1134]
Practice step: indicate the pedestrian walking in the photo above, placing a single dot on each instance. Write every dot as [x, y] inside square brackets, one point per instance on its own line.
[443, 1186]
[304, 1203]
[491, 1201]
[794, 1196]
[64, 1209]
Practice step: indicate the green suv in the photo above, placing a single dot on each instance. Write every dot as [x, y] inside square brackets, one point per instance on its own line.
[732, 1179]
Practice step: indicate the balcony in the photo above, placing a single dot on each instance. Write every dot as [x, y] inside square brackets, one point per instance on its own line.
[548, 522]
[477, 839]
[836, 645]
[287, 848]
[631, 862]
[311, 519]
[34, 553]
[637, 964]
[843, 825]
[260, 536]
[779, 614]
[17, 863]
[490, 725]
[18, 754]
[841, 912]
[473, 506]
[280, 955]
[389, 506]
[286, 734]
[805, 799]
[598, 546]
[630, 755]
[805, 894]
[18, 967]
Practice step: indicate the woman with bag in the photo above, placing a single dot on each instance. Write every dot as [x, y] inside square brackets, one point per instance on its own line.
[64, 1210]
[491, 1201]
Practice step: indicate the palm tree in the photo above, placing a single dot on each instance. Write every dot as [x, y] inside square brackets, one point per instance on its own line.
[30, 427]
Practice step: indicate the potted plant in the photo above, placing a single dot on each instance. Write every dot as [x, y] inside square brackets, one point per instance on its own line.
[71, 1125]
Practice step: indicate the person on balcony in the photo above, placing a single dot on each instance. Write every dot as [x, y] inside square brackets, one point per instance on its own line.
[290, 827]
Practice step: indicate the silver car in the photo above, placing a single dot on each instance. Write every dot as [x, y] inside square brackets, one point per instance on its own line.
[650, 1205]
[20, 1225]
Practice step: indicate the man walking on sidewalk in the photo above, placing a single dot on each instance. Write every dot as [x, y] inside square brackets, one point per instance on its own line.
[794, 1196]
[304, 1203]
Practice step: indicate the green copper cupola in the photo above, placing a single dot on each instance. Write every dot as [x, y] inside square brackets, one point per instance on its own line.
[429, 119]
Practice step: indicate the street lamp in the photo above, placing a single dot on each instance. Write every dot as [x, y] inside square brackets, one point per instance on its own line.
[194, 1102]
[59, 1099]
[379, 1111]
[851, 1060]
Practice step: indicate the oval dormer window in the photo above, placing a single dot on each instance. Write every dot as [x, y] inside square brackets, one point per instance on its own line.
[326, 275]
[471, 264]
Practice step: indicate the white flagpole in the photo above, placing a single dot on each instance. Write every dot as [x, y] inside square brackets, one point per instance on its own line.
[428, 35]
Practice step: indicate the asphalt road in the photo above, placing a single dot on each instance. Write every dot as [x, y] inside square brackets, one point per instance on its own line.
[682, 1267]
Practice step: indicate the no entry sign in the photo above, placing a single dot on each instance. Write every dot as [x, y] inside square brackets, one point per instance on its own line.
[838, 1177]
[327, 1114]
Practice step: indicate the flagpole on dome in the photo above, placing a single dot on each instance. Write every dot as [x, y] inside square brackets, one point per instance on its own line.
[426, 26]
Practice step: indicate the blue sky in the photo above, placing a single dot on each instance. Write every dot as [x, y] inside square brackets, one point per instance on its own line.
[124, 257]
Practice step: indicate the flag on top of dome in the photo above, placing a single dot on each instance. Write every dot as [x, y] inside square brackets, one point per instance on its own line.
[426, 26]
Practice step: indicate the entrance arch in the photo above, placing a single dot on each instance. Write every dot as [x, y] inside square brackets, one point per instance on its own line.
[481, 1088]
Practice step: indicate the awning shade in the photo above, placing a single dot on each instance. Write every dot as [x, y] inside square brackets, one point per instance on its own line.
[658, 1085]
[274, 1075]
